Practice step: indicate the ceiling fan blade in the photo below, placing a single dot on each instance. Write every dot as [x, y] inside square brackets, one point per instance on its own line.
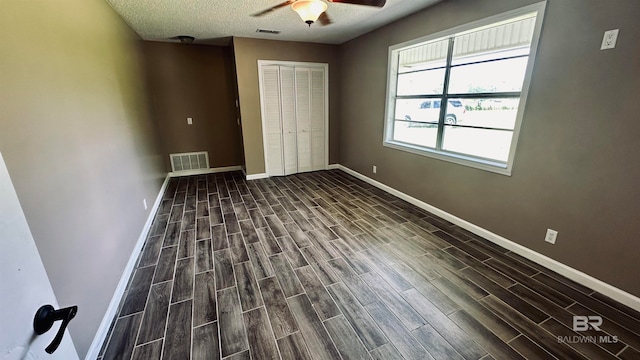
[276, 7]
[376, 3]
[324, 19]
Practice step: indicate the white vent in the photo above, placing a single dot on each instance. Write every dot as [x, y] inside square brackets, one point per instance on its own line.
[189, 161]
[267, 31]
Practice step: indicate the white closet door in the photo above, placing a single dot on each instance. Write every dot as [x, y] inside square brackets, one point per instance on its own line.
[289, 126]
[317, 112]
[294, 105]
[303, 107]
[271, 93]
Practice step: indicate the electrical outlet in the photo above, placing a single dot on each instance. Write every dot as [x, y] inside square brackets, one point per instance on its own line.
[609, 39]
[551, 236]
[144, 202]
[375, 169]
[189, 121]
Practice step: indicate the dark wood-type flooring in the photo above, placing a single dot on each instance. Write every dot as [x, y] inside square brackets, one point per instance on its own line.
[324, 266]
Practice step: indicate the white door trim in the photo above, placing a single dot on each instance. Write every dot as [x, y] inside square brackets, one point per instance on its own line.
[24, 284]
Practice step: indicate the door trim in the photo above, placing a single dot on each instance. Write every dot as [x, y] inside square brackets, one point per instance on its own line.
[24, 284]
[324, 66]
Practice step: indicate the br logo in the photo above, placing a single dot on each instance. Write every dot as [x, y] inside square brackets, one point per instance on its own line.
[584, 323]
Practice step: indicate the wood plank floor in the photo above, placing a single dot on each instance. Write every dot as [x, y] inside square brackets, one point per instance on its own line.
[324, 266]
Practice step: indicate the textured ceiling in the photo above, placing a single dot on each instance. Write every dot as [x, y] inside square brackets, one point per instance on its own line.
[214, 21]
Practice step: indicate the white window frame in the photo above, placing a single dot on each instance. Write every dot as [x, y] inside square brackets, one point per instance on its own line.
[468, 160]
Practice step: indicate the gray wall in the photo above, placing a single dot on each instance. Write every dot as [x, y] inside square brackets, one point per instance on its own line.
[578, 159]
[78, 144]
[247, 53]
[194, 81]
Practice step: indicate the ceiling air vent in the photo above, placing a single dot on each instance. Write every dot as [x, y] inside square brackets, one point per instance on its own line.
[189, 161]
[267, 31]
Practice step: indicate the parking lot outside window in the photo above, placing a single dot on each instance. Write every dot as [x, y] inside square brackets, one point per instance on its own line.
[459, 95]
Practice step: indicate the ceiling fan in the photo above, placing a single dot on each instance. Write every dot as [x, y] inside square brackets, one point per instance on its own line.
[315, 10]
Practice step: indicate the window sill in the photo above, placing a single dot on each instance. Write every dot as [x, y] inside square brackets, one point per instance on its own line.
[482, 164]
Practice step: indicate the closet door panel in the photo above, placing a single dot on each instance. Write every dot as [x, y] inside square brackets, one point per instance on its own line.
[290, 153]
[318, 109]
[303, 103]
[289, 126]
[274, 151]
[304, 152]
[317, 100]
[317, 149]
[303, 108]
[272, 116]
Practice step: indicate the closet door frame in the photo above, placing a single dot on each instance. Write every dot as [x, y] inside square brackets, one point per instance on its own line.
[323, 66]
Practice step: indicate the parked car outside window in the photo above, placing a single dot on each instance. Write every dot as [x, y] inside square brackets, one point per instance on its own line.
[430, 110]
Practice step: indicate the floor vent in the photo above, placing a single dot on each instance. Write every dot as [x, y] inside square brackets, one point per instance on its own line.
[189, 161]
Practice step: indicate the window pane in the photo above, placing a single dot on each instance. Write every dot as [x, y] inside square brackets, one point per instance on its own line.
[422, 110]
[415, 133]
[455, 112]
[497, 113]
[428, 82]
[425, 56]
[494, 76]
[489, 144]
[490, 55]
[500, 40]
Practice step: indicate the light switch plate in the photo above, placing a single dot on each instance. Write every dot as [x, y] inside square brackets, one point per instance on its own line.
[609, 39]
[189, 121]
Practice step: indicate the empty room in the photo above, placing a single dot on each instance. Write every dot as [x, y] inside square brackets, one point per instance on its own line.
[319, 179]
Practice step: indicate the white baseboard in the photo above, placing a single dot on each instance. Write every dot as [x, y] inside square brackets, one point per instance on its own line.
[257, 176]
[205, 171]
[334, 166]
[110, 314]
[589, 281]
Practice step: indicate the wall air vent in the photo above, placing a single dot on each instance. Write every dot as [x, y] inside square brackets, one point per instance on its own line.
[267, 31]
[189, 161]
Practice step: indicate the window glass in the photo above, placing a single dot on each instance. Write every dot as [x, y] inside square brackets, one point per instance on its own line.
[430, 55]
[416, 133]
[427, 82]
[486, 77]
[483, 143]
[417, 110]
[497, 113]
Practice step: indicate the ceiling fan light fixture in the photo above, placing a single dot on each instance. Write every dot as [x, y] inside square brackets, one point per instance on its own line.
[309, 10]
[186, 39]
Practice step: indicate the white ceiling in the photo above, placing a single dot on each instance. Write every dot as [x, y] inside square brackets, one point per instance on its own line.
[214, 21]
